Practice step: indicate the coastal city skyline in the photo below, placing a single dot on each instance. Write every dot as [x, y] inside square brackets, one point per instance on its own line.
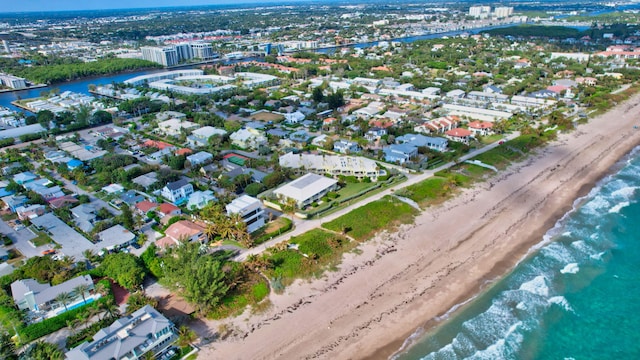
[319, 179]
[73, 5]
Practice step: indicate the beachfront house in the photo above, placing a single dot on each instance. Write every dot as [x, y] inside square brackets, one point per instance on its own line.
[43, 300]
[136, 336]
[306, 189]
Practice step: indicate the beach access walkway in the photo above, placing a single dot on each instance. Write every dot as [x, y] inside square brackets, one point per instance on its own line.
[301, 226]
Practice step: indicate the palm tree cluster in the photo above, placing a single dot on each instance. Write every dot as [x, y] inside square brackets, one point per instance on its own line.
[221, 226]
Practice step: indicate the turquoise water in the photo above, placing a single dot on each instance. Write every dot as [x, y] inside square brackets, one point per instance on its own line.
[576, 297]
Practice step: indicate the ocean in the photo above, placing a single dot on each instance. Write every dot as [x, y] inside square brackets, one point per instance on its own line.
[575, 296]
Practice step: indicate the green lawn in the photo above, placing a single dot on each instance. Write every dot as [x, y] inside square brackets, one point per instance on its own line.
[41, 239]
[364, 222]
[354, 188]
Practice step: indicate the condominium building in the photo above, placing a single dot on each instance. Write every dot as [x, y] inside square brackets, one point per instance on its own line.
[166, 56]
[481, 12]
[503, 11]
[201, 50]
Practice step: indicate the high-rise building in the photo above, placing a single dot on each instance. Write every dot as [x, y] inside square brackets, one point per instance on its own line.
[184, 51]
[503, 11]
[166, 56]
[202, 50]
[480, 12]
[267, 48]
[5, 44]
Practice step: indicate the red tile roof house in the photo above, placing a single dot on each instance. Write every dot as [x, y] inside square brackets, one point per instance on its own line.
[145, 206]
[183, 230]
[459, 135]
[166, 210]
[481, 127]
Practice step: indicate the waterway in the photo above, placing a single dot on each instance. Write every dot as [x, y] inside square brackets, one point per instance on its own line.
[82, 86]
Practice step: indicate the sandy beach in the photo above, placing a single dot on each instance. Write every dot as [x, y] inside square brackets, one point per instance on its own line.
[407, 280]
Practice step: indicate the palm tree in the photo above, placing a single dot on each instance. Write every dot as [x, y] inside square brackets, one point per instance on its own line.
[186, 336]
[64, 298]
[101, 289]
[72, 324]
[211, 231]
[111, 308]
[81, 290]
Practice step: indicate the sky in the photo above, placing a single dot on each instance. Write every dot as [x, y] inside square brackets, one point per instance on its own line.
[63, 5]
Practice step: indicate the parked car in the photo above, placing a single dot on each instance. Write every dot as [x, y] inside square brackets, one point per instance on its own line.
[49, 252]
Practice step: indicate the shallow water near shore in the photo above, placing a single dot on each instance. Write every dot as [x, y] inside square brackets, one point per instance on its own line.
[576, 296]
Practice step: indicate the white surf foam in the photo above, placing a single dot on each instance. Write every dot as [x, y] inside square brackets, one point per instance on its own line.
[616, 208]
[561, 301]
[536, 286]
[597, 256]
[572, 268]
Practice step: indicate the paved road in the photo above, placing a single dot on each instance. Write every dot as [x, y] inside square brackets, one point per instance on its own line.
[302, 226]
[21, 240]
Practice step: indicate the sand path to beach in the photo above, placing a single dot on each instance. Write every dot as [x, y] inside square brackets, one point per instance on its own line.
[405, 280]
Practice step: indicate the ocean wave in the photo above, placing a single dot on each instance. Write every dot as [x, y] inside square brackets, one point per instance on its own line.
[559, 252]
[616, 209]
[536, 286]
[562, 302]
[572, 268]
[505, 347]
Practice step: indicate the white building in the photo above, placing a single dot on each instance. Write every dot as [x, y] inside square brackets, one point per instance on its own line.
[502, 11]
[166, 56]
[333, 165]
[13, 82]
[480, 12]
[250, 209]
[306, 189]
[130, 337]
[476, 113]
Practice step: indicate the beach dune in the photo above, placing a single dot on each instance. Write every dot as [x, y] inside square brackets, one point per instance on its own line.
[409, 279]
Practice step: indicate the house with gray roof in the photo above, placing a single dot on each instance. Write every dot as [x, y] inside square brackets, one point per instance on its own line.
[419, 140]
[199, 158]
[306, 189]
[399, 153]
[29, 294]
[146, 180]
[346, 147]
[200, 199]
[24, 177]
[84, 216]
[115, 237]
[130, 337]
[178, 191]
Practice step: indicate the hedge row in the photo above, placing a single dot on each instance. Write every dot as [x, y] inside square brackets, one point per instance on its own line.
[48, 326]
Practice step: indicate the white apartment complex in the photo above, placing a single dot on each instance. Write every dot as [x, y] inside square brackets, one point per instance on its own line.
[250, 209]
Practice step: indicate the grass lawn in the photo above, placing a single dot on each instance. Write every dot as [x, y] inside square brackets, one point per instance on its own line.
[490, 139]
[41, 239]
[267, 116]
[354, 188]
[364, 222]
[9, 216]
[317, 250]
[273, 229]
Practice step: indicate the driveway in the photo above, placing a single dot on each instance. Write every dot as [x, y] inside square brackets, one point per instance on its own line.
[21, 240]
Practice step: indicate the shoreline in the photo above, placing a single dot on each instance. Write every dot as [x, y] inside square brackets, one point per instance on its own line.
[406, 280]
